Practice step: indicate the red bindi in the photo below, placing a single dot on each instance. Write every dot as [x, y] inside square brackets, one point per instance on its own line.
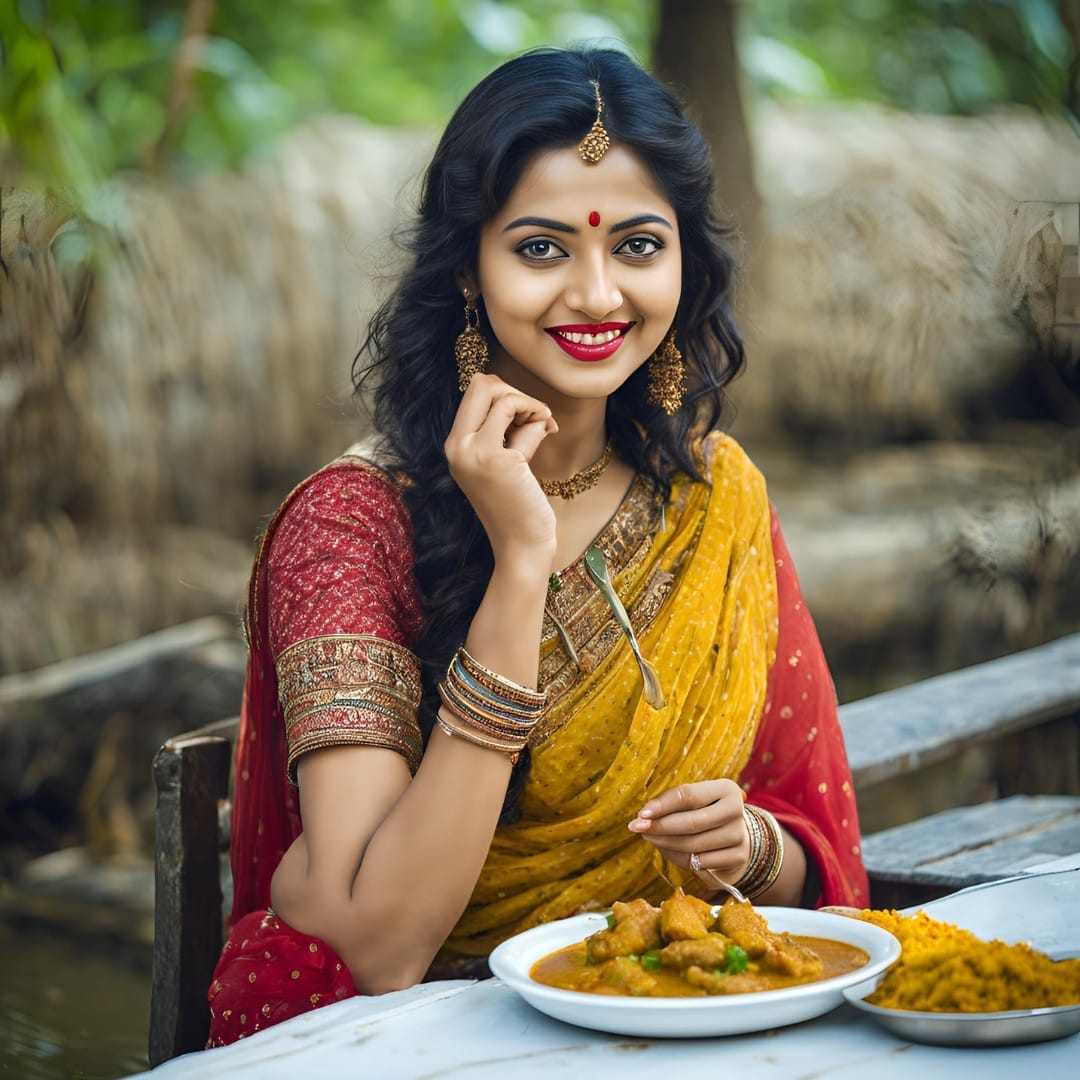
[594, 218]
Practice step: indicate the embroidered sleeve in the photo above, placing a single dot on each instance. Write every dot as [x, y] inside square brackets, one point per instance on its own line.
[349, 689]
[799, 769]
[343, 614]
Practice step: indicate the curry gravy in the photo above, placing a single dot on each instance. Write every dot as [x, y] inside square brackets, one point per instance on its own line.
[566, 969]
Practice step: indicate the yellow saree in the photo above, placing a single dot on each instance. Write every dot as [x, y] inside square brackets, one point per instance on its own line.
[701, 593]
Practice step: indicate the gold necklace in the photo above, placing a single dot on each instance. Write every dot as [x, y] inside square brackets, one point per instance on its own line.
[580, 481]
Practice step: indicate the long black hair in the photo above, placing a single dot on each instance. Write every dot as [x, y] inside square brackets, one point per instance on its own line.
[542, 100]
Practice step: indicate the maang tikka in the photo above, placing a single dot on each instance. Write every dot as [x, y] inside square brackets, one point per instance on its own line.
[595, 145]
[470, 348]
[667, 376]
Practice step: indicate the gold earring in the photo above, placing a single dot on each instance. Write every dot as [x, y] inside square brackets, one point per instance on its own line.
[470, 349]
[667, 376]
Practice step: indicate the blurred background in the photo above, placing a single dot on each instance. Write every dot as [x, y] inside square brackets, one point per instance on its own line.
[197, 203]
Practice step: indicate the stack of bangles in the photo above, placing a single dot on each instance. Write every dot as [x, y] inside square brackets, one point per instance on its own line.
[486, 709]
[766, 852]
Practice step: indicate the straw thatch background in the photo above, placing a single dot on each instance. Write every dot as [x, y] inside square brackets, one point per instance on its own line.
[169, 370]
[910, 270]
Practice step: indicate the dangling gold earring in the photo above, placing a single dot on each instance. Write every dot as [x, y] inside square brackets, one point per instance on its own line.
[470, 349]
[667, 376]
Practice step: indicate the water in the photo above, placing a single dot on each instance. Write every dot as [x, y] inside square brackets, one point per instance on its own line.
[70, 1008]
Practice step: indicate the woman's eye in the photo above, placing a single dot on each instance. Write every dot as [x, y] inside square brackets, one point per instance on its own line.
[639, 247]
[540, 250]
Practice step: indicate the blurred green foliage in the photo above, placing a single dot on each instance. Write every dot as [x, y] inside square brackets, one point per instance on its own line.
[942, 56]
[88, 87]
[86, 83]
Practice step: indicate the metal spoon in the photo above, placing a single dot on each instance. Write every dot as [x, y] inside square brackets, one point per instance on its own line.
[728, 888]
[695, 865]
[598, 571]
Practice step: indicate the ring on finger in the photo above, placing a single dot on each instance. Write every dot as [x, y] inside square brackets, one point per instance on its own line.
[695, 861]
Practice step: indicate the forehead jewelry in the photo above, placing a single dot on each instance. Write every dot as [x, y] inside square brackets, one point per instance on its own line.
[594, 218]
[595, 145]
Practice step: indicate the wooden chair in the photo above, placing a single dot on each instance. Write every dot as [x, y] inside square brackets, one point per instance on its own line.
[888, 736]
[191, 774]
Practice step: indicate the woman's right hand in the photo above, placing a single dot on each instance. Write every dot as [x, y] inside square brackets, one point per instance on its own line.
[495, 434]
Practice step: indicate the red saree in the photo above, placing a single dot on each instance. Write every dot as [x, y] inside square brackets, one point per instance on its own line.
[335, 563]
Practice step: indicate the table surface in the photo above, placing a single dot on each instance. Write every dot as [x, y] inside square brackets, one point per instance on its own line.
[483, 1029]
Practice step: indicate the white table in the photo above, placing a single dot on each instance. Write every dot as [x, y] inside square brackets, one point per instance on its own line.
[465, 1029]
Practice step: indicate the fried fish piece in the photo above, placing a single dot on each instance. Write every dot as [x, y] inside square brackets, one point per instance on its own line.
[685, 918]
[626, 974]
[709, 952]
[636, 930]
[745, 927]
[712, 983]
[791, 957]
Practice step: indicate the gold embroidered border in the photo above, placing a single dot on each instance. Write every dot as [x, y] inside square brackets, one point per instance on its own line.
[349, 689]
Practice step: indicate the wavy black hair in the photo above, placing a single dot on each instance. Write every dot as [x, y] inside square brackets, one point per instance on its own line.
[541, 100]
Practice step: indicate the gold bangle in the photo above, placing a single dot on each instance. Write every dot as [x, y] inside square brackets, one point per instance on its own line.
[767, 861]
[482, 720]
[483, 702]
[753, 828]
[486, 709]
[762, 863]
[471, 736]
[501, 687]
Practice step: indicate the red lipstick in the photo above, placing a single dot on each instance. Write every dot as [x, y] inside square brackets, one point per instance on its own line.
[569, 338]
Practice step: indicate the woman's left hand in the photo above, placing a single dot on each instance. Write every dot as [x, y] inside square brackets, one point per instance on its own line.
[703, 819]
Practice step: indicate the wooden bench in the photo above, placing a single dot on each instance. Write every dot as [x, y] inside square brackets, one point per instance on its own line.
[920, 861]
[889, 736]
[917, 733]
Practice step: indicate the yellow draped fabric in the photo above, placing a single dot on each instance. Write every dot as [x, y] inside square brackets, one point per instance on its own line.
[605, 751]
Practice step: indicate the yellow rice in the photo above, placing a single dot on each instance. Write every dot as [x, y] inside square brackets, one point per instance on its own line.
[945, 969]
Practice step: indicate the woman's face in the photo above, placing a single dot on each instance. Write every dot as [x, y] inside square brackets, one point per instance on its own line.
[580, 273]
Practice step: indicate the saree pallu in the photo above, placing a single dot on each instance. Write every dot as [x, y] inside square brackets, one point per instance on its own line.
[706, 589]
[268, 972]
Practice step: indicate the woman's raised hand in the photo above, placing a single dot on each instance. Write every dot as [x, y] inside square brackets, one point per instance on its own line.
[495, 434]
[703, 819]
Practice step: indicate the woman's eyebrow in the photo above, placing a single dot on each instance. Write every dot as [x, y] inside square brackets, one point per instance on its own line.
[561, 226]
[641, 219]
[541, 223]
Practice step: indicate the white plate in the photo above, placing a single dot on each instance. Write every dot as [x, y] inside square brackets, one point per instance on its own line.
[1040, 909]
[696, 1016]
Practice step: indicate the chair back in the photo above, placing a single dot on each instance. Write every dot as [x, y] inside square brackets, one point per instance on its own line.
[193, 823]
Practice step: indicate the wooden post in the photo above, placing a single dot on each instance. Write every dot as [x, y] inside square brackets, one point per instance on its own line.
[695, 51]
[191, 773]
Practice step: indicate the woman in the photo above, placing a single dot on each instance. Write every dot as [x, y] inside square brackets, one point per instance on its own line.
[474, 746]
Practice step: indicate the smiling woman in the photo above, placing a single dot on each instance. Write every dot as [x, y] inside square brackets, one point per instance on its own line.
[446, 736]
[576, 310]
